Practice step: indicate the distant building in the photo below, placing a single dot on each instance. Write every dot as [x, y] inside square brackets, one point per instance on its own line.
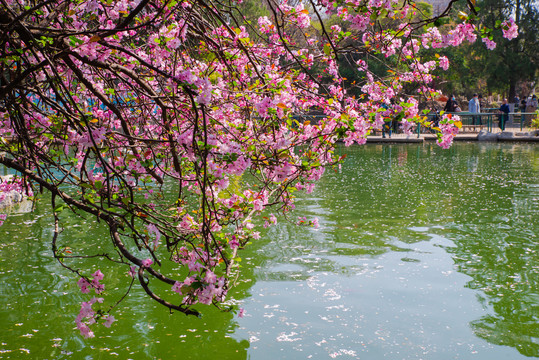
[438, 6]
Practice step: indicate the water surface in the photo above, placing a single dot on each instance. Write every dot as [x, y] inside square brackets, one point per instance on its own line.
[422, 253]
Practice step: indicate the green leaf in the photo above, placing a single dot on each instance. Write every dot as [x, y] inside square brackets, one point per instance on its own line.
[327, 49]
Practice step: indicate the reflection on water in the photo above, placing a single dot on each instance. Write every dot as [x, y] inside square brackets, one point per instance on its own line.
[421, 253]
[40, 301]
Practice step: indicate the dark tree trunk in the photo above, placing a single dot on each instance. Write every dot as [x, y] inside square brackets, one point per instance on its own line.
[512, 89]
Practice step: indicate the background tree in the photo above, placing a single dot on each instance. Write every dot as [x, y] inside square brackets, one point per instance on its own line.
[510, 63]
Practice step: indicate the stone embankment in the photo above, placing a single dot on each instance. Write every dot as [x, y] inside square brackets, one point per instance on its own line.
[504, 136]
[12, 197]
[532, 136]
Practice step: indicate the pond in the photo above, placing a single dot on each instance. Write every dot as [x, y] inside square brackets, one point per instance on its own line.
[422, 253]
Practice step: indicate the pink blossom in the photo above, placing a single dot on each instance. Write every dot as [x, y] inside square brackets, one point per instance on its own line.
[109, 320]
[147, 263]
[84, 285]
[491, 45]
[187, 76]
[265, 25]
[407, 126]
[85, 331]
[233, 243]
[204, 97]
[92, 6]
[177, 287]
[362, 65]
[360, 21]
[444, 62]
[133, 271]
[263, 106]
[509, 29]
[258, 204]
[187, 222]
[302, 17]
[448, 130]
[152, 229]
[98, 288]
[432, 38]
[241, 313]
[210, 277]
[309, 188]
[87, 313]
[98, 275]
[222, 184]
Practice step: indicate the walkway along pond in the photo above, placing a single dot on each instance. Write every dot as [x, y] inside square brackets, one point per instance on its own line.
[422, 253]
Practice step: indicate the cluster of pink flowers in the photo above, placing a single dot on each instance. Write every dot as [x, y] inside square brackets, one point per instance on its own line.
[152, 229]
[490, 44]
[448, 130]
[509, 29]
[11, 184]
[359, 21]
[297, 15]
[205, 91]
[147, 263]
[87, 315]
[263, 106]
[150, 114]
[208, 288]
[432, 38]
[444, 62]
[86, 286]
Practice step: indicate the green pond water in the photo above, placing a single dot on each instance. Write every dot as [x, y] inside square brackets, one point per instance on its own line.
[422, 253]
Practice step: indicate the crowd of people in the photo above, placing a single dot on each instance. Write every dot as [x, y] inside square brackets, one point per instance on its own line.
[525, 105]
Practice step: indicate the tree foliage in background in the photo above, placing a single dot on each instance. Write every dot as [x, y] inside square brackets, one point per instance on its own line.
[512, 62]
[505, 68]
[182, 126]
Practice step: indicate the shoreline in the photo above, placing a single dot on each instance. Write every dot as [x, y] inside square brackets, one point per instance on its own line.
[506, 136]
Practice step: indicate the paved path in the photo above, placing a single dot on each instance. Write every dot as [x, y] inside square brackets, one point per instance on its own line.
[512, 134]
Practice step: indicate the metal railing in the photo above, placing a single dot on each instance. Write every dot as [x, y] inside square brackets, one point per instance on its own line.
[489, 120]
[470, 121]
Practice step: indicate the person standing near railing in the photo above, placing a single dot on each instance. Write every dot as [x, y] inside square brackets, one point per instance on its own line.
[451, 105]
[531, 107]
[505, 109]
[523, 104]
[475, 108]
[481, 103]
